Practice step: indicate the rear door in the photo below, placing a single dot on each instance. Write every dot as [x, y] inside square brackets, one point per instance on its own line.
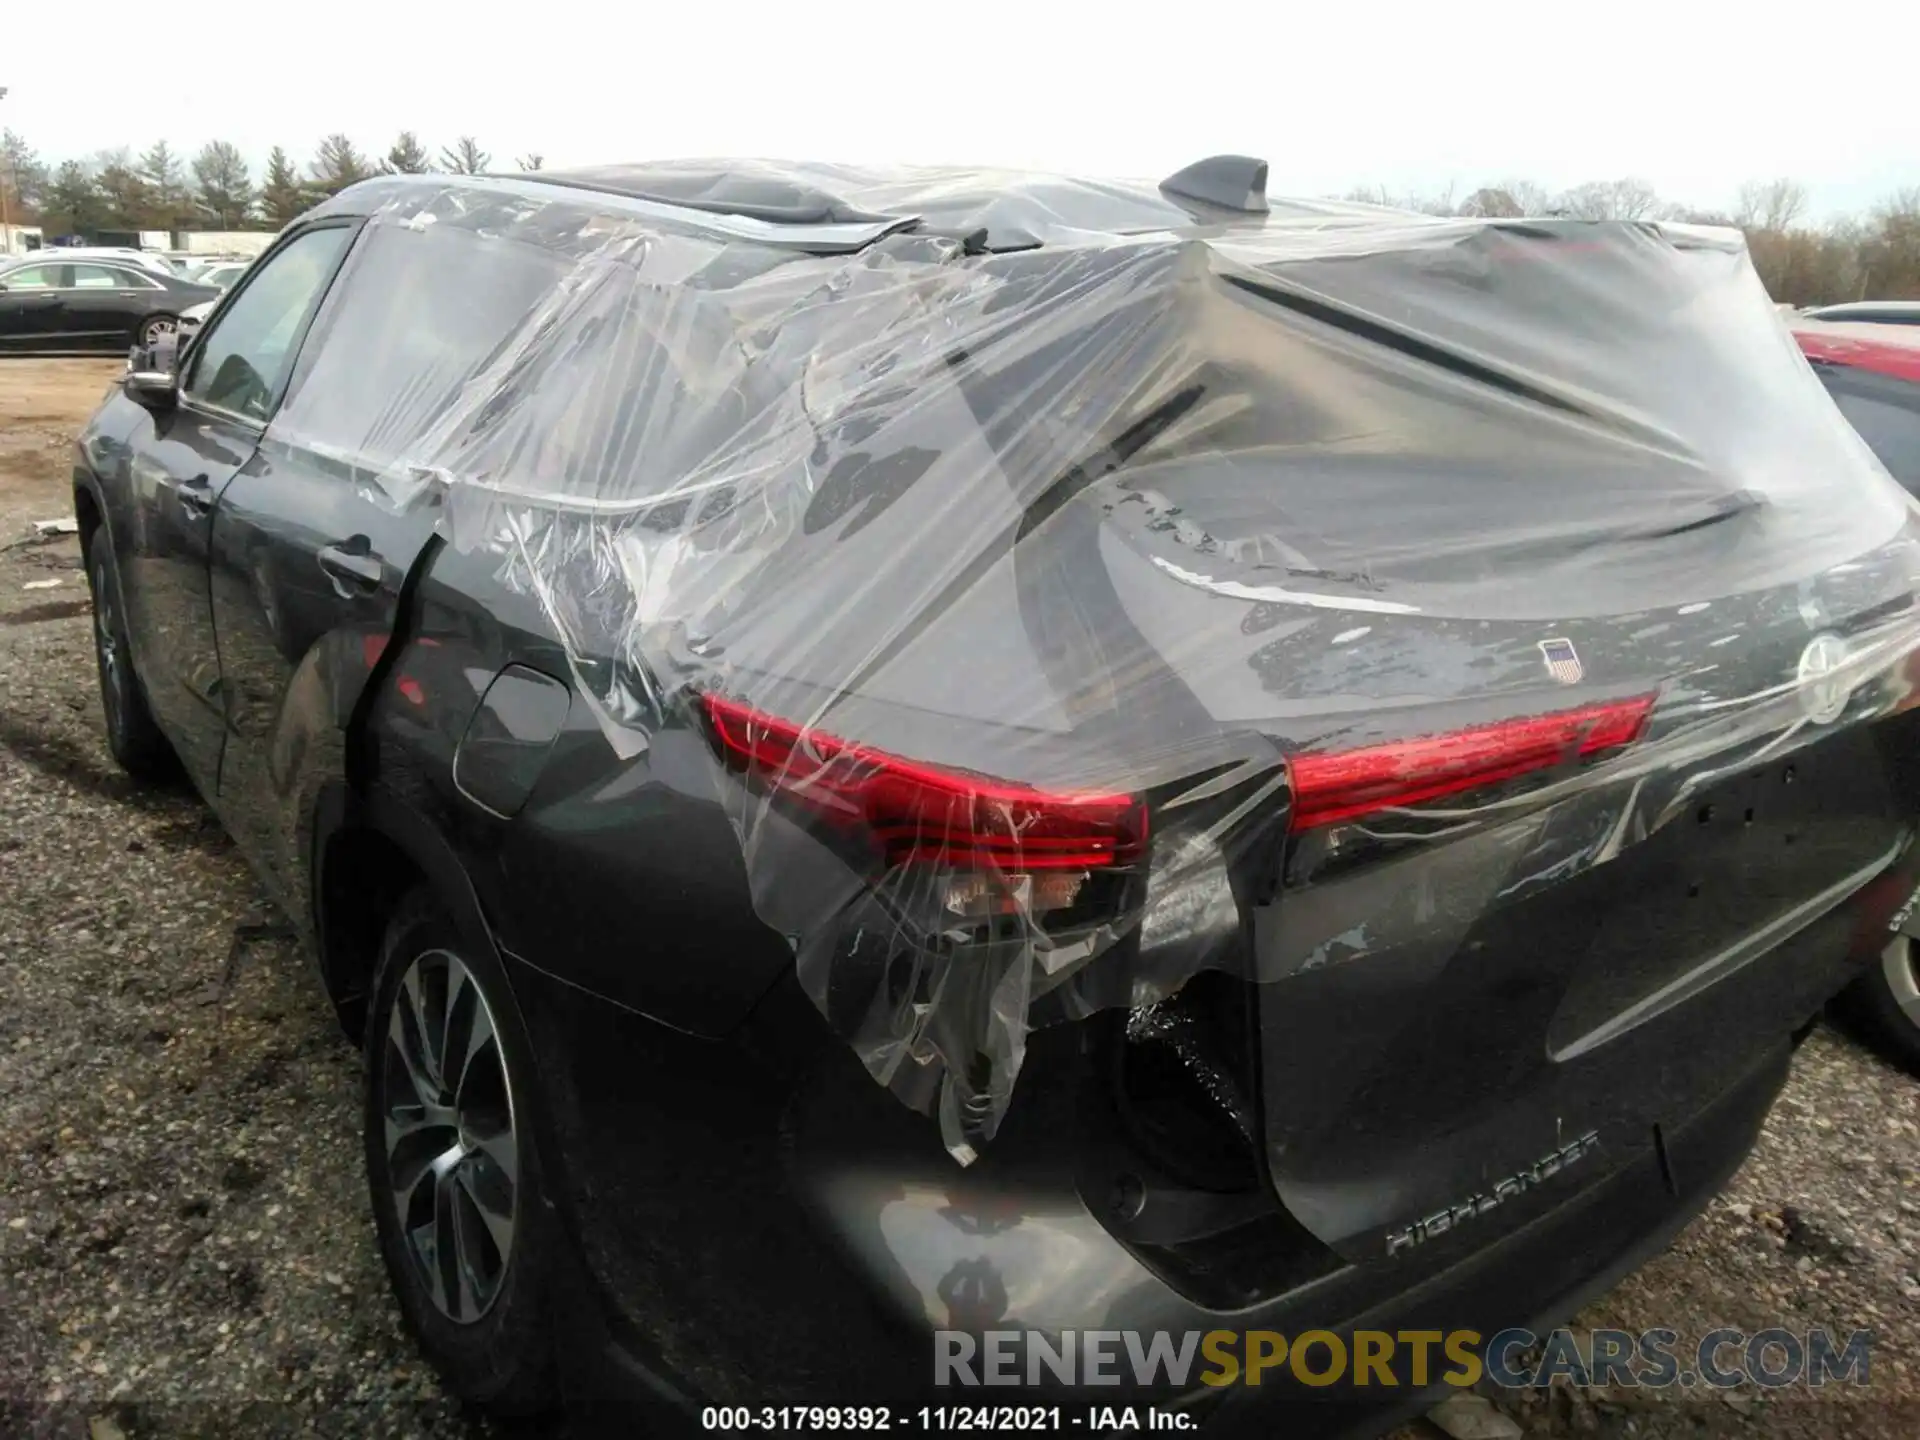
[179, 461]
[32, 303]
[105, 302]
[312, 543]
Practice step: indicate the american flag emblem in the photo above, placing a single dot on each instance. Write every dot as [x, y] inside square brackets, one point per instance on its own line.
[1563, 662]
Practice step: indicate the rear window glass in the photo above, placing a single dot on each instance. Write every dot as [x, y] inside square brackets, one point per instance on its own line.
[107, 277]
[414, 316]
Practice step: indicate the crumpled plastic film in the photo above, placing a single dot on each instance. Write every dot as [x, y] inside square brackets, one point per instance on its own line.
[1009, 538]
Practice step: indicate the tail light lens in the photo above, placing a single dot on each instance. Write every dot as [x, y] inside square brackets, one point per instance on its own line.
[1013, 846]
[1334, 786]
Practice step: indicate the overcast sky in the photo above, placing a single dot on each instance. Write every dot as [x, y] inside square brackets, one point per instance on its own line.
[1690, 96]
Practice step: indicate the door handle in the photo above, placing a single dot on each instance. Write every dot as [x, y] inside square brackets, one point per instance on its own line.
[196, 497]
[352, 565]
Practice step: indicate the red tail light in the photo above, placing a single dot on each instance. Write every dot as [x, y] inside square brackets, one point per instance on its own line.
[1333, 786]
[917, 813]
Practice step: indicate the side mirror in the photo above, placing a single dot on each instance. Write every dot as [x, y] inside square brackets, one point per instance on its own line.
[155, 389]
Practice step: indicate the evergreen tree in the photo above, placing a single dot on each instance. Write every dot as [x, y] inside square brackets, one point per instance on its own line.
[283, 199]
[408, 156]
[337, 165]
[222, 186]
[167, 198]
[124, 195]
[465, 157]
[71, 204]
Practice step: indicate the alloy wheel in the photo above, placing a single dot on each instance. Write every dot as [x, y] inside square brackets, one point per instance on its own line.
[452, 1162]
[156, 330]
[1901, 965]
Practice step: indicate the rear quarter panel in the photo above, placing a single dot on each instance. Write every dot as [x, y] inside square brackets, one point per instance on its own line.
[622, 877]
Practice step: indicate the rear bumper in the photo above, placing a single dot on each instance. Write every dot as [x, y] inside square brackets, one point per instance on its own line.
[1543, 1274]
[782, 1240]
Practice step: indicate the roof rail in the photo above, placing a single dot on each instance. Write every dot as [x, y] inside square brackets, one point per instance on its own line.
[1226, 182]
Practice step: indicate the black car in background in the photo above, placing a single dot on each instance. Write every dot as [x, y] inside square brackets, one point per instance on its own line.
[49, 303]
[1328, 757]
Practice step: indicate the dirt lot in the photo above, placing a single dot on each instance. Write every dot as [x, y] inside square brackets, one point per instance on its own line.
[185, 1249]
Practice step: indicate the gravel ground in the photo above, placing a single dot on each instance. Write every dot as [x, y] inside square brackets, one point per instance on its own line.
[185, 1248]
[185, 1245]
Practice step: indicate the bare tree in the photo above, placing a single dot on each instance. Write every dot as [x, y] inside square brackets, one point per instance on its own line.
[23, 174]
[1627, 199]
[1775, 205]
[1438, 203]
[1530, 196]
[1890, 254]
[532, 160]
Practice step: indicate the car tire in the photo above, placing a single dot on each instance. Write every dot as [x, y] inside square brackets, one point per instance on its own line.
[133, 736]
[1885, 1002]
[154, 328]
[452, 1168]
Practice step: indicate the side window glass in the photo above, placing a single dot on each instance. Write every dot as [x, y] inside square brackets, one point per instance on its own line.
[240, 364]
[99, 277]
[32, 277]
[418, 313]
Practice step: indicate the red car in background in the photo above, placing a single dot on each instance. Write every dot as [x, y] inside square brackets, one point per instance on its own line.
[1873, 373]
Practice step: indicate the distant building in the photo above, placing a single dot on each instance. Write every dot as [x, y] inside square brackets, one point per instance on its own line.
[21, 238]
[222, 242]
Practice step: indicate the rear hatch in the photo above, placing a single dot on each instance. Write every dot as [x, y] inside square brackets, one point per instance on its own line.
[1534, 477]
[1463, 1013]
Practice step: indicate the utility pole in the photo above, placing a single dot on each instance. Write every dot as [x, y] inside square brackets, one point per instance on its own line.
[6, 186]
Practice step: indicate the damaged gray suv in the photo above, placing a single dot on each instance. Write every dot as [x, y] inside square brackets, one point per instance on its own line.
[875, 758]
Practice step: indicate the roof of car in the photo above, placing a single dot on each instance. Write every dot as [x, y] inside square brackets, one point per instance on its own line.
[824, 209]
[830, 208]
[1860, 309]
[65, 256]
[1884, 349]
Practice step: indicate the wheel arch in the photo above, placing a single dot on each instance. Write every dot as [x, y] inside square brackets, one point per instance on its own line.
[87, 510]
[371, 850]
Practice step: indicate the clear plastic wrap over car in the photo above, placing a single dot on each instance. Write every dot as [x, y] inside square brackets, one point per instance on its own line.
[1025, 564]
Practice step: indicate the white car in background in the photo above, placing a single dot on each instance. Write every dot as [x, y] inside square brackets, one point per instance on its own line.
[192, 318]
[221, 273]
[122, 254]
[1869, 312]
